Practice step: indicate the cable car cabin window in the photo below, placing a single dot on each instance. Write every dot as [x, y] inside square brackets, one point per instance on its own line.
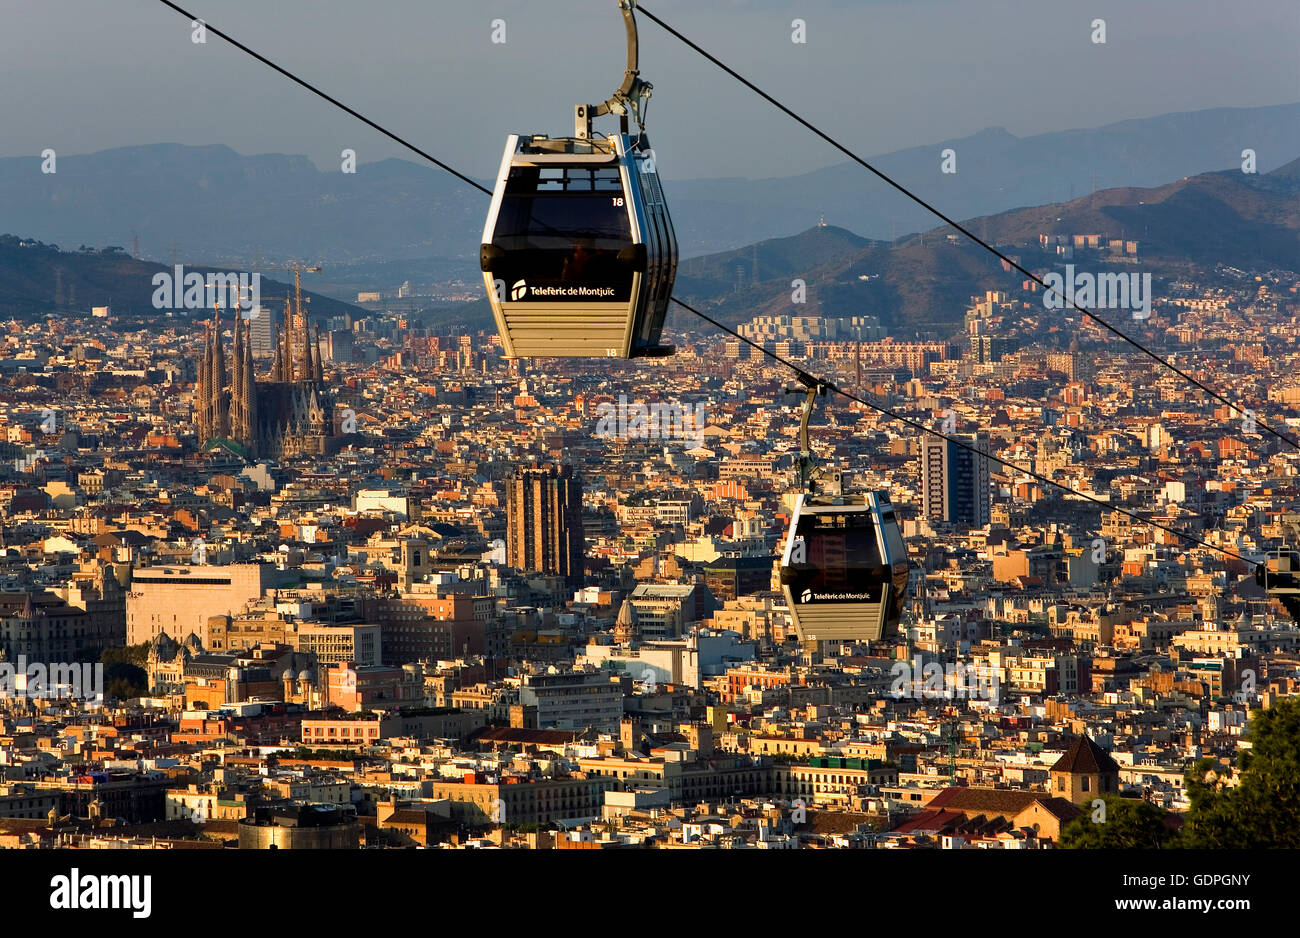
[893, 538]
[562, 229]
[842, 553]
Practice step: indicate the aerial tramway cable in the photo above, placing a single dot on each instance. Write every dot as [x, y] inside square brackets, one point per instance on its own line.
[1010, 262]
[774, 356]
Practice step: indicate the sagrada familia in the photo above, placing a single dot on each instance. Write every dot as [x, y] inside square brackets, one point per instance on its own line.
[291, 414]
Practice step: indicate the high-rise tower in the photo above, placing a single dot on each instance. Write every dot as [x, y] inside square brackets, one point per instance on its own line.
[955, 481]
[545, 522]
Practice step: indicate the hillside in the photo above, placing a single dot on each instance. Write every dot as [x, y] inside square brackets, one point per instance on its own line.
[920, 284]
[924, 282]
[1229, 217]
[38, 278]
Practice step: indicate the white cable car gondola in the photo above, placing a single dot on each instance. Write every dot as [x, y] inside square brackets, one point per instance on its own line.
[578, 251]
[845, 570]
[1279, 574]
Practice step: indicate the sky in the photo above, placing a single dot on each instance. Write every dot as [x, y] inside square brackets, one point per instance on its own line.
[87, 75]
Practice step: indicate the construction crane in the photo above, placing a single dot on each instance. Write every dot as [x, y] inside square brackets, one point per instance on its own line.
[298, 271]
[295, 320]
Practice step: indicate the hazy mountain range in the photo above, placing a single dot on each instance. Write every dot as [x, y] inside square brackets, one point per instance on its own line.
[923, 283]
[919, 282]
[211, 205]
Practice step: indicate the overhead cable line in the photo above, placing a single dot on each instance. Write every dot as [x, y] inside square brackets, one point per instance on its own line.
[963, 230]
[812, 380]
[803, 375]
[321, 94]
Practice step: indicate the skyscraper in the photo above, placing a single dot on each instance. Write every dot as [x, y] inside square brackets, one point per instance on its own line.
[545, 522]
[261, 331]
[991, 349]
[955, 481]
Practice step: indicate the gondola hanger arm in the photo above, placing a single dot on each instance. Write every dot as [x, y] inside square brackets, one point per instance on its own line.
[631, 95]
[811, 389]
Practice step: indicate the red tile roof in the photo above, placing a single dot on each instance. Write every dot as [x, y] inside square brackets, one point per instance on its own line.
[931, 822]
[1085, 757]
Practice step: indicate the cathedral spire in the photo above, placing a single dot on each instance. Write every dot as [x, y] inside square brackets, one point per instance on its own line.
[202, 393]
[249, 413]
[320, 368]
[277, 365]
[288, 342]
[237, 370]
[220, 385]
[212, 389]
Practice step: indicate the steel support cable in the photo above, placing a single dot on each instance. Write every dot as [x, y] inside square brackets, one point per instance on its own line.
[799, 371]
[963, 230]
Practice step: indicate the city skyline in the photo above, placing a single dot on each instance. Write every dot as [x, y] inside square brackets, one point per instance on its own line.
[721, 505]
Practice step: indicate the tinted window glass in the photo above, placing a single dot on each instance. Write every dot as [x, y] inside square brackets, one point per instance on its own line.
[842, 553]
[563, 246]
[557, 220]
[893, 538]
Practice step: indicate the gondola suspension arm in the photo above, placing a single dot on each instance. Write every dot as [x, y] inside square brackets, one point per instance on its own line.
[811, 389]
[630, 97]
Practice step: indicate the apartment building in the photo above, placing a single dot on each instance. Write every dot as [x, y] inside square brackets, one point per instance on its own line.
[180, 600]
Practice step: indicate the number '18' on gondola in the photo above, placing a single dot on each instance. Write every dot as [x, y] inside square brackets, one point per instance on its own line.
[578, 252]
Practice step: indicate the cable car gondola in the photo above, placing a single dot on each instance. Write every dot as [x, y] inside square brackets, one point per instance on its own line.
[845, 570]
[1279, 575]
[578, 251]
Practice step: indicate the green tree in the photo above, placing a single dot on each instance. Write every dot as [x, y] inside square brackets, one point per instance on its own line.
[1130, 824]
[124, 673]
[121, 690]
[124, 680]
[1258, 806]
[131, 654]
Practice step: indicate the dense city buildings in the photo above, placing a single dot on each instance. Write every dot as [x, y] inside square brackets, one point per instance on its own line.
[480, 620]
[360, 580]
